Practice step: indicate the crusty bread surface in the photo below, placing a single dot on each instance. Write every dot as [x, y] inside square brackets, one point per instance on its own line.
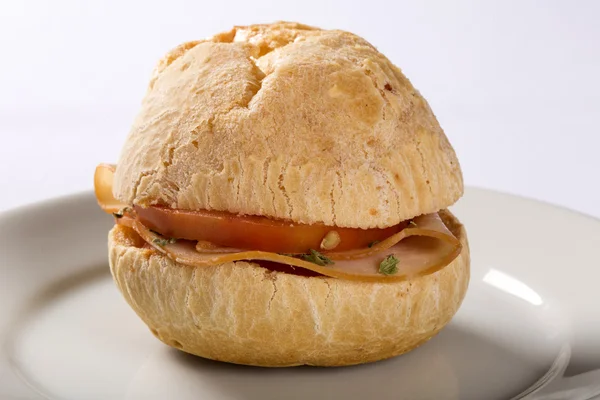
[287, 121]
[243, 313]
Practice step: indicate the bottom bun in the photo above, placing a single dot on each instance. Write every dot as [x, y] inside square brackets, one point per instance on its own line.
[242, 313]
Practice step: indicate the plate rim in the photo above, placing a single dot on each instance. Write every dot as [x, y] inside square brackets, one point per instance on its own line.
[86, 195]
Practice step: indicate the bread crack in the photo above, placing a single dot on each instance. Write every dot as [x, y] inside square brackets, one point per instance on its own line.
[199, 128]
[423, 169]
[208, 186]
[139, 182]
[285, 194]
[191, 285]
[273, 280]
[391, 188]
[239, 179]
[333, 216]
[329, 292]
[265, 172]
[254, 86]
[169, 157]
[339, 182]
[382, 91]
[332, 197]
[312, 305]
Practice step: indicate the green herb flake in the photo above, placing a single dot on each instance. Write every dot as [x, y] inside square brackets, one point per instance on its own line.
[373, 243]
[389, 266]
[316, 258]
[163, 242]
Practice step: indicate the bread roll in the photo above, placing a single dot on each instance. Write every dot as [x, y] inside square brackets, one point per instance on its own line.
[246, 314]
[287, 121]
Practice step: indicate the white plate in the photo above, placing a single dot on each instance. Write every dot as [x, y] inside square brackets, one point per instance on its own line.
[532, 308]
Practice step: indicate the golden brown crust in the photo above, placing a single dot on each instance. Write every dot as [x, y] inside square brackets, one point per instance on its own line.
[288, 121]
[242, 313]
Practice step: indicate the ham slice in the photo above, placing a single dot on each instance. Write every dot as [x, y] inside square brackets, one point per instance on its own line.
[420, 250]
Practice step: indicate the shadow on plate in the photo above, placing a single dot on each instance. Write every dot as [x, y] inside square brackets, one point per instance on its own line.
[456, 364]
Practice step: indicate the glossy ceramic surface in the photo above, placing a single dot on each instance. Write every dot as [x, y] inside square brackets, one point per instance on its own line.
[531, 311]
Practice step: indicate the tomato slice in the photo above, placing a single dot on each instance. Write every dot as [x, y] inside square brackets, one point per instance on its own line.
[254, 232]
[237, 231]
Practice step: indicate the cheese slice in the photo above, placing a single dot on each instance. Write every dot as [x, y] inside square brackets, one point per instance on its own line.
[103, 183]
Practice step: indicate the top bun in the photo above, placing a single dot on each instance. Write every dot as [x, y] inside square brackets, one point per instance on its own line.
[287, 121]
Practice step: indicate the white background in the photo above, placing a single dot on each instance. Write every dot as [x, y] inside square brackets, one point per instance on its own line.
[515, 84]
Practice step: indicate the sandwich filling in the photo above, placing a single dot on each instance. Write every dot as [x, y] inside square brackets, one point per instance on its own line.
[206, 238]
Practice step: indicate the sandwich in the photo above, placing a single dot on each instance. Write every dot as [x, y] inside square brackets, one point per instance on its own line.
[282, 199]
